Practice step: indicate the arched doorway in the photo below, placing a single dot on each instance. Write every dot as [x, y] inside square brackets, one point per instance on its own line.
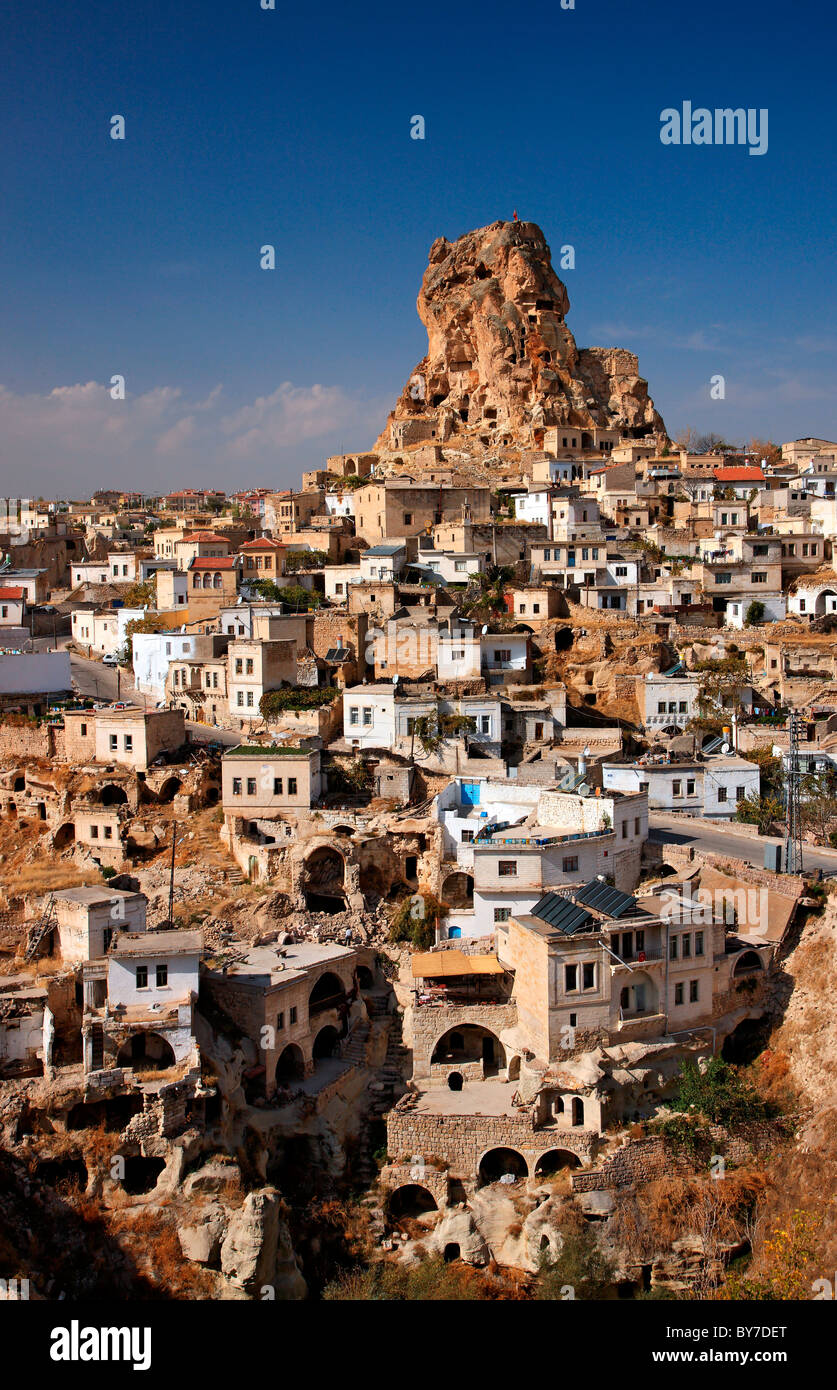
[323, 880]
[111, 795]
[328, 993]
[65, 835]
[291, 1065]
[455, 1081]
[748, 964]
[411, 1201]
[555, 1161]
[326, 1043]
[469, 1042]
[458, 890]
[500, 1163]
[168, 791]
[365, 978]
[146, 1051]
[578, 1111]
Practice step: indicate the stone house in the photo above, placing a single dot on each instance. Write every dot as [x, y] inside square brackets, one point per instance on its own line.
[297, 1004]
[130, 737]
[255, 667]
[139, 1002]
[261, 781]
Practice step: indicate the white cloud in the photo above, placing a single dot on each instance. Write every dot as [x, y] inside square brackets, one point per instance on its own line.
[74, 439]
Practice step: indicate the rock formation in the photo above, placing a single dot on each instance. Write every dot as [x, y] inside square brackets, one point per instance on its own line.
[502, 366]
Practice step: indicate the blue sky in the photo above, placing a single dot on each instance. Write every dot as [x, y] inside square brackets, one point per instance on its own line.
[292, 127]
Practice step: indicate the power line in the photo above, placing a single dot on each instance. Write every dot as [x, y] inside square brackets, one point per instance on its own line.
[793, 837]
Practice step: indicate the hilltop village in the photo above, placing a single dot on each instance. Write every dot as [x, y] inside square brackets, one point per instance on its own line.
[413, 832]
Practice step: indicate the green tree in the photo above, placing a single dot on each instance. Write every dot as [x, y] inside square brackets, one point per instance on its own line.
[415, 920]
[580, 1267]
[754, 614]
[718, 1092]
[761, 810]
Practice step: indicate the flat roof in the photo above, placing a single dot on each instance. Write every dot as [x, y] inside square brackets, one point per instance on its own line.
[157, 943]
[91, 896]
[283, 964]
[268, 750]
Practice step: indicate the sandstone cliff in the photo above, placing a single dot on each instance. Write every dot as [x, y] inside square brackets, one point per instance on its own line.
[502, 367]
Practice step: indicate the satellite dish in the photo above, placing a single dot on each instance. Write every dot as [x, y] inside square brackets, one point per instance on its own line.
[724, 747]
[395, 679]
[485, 629]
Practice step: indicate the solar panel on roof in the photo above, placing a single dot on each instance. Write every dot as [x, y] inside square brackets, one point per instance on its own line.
[603, 898]
[561, 913]
[337, 653]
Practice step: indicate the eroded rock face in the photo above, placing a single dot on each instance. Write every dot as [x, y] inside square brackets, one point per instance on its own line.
[257, 1251]
[502, 365]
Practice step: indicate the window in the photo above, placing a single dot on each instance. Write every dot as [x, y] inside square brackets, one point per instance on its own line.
[250, 698]
[293, 1015]
[636, 825]
[236, 786]
[678, 994]
[621, 571]
[672, 948]
[722, 795]
[280, 1022]
[367, 715]
[758, 577]
[94, 832]
[353, 715]
[698, 943]
[536, 608]
[573, 1020]
[588, 979]
[690, 786]
[485, 723]
[694, 991]
[113, 743]
[687, 945]
[507, 868]
[725, 578]
[457, 655]
[661, 706]
[108, 832]
[624, 830]
[142, 977]
[162, 976]
[677, 787]
[570, 863]
[570, 978]
[129, 743]
[502, 654]
[84, 731]
[466, 837]
[291, 786]
[459, 566]
[239, 665]
[277, 786]
[502, 914]
[408, 518]
[682, 707]
[251, 786]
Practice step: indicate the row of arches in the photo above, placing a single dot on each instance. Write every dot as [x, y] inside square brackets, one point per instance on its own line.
[414, 1200]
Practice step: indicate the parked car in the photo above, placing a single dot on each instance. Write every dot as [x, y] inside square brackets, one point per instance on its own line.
[110, 660]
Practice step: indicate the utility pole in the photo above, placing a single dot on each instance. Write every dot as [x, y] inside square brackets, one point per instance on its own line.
[793, 837]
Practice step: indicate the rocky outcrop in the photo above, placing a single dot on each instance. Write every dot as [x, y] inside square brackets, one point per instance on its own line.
[502, 365]
[257, 1253]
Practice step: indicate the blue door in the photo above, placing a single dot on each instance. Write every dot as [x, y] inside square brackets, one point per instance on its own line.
[470, 793]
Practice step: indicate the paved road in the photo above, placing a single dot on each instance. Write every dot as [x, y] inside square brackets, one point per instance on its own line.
[665, 829]
[116, 683]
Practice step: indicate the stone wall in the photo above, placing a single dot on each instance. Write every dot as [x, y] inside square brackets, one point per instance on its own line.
[460, 1141]
[429, 1023]
[21, 741]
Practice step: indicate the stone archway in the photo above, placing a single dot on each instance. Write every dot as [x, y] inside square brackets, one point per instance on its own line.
[469, 1043]
[410, 1201]
[329, 992]
[323, 880]
[750, 963]
[113, 795]
[498, 1163]
[458, 889]
[146, 1051]
[555, 1161]
[290, 1066]
[326, 1043]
